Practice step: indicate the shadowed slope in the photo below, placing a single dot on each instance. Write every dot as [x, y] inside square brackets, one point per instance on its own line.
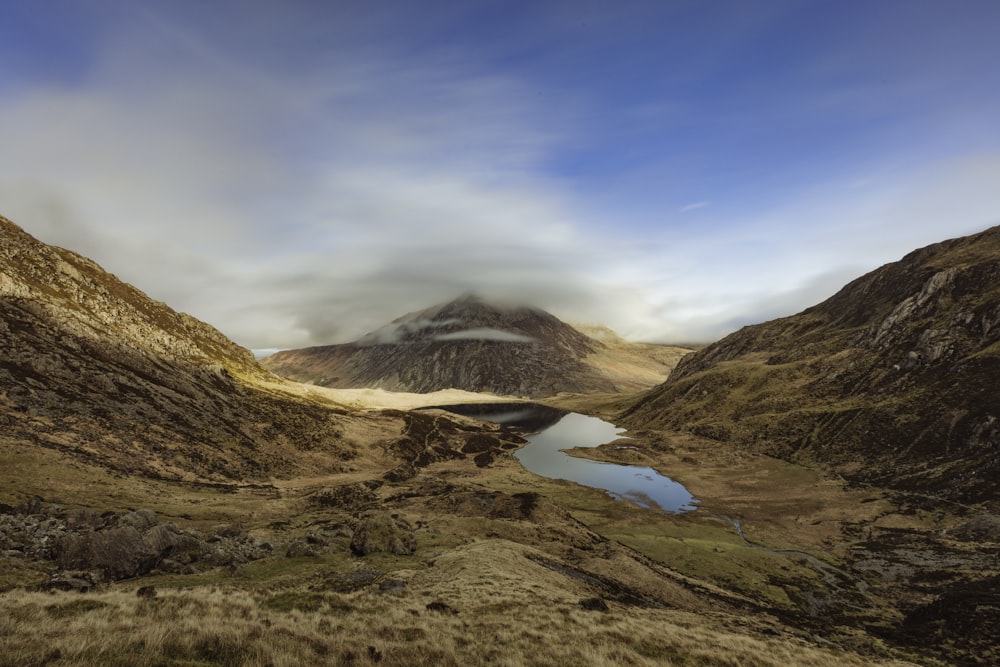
[893, 380]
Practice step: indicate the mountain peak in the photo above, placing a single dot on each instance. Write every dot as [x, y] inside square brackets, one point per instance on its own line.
[468, 317]
[467, 343]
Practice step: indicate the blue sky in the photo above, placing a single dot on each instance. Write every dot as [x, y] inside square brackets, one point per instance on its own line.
[302, 172]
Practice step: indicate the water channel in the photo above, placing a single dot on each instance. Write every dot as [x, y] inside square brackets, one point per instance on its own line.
[550, 431]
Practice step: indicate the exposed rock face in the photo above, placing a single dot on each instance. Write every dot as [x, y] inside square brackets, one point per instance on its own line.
[91, 548]
[465, 344]
[93, 366]
[892, 380]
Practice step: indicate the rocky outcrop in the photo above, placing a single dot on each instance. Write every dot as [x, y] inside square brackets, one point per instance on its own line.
[87, 548]
[384, 533]
[892, 380]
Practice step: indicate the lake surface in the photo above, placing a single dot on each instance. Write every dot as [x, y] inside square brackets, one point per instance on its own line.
[549, 431]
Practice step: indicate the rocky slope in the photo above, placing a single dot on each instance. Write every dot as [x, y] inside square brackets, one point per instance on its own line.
[477, 346]
[92, 367]
[892, 381]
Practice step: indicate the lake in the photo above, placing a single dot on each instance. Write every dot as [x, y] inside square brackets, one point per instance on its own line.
[549, 431]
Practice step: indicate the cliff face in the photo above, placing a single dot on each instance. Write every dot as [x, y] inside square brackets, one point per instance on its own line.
[465, 344]
[91, 365]
[893, 380]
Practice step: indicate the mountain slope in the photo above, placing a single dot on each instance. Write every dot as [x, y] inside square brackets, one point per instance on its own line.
[893, 380]
[472, 345]
[92, 366]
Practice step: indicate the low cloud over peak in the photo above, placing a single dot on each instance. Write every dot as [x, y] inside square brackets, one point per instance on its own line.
[486, 334]
[305, 174]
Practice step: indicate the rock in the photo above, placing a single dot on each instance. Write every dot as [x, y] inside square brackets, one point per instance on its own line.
[384, 533]
[81, 582]
[141, 520]
[392, 586]
[350, 581]
[121, 553]
[347, 496]
[400, 473]
[131, 546]
[229, 530]
[441, 608]
[594, 604]
[983, 526]
[302, 549]
[163, 539]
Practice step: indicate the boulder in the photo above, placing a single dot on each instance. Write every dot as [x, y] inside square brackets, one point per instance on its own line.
[384, 533]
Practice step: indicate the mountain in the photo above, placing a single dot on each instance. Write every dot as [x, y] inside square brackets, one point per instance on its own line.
[891, 381]
[92, 368]
[156, 483]
[176, 501]
[478, 346]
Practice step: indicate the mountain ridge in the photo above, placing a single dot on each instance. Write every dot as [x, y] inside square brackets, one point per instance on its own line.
[890, 381]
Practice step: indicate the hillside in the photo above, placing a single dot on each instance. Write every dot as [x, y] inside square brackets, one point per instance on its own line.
[164, 500]
[474, 345]
[892, 381]
[93, 368]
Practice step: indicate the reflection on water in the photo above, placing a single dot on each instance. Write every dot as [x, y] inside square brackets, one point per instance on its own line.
[520, 417]
[549, 431]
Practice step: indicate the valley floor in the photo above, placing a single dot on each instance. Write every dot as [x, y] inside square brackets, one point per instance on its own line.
[459, 562]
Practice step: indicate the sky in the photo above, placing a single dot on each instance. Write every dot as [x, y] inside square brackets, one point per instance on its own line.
[301, 172]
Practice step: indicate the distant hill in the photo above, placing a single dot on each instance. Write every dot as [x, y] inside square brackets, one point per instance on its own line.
[895, 380]
[475, 345]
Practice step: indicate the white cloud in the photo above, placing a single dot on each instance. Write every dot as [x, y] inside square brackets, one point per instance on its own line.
[693, 207]
[308, 205]
[486, 333]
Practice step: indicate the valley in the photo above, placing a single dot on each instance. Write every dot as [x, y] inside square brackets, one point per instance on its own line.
[166, 500]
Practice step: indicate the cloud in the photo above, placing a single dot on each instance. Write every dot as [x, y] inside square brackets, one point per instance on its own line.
[303, 182]
[693, 207]
[181, 185]
[486, 334]
[399, 331]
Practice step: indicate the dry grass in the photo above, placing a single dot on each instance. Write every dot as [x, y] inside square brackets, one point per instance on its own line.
[217, 626]
[377, 399]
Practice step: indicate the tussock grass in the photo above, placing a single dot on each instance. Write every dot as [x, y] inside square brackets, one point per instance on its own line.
[219, 626]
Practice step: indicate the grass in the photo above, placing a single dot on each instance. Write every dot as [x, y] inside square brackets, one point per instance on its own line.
[222, 626]
[471, 557]
[512, 610]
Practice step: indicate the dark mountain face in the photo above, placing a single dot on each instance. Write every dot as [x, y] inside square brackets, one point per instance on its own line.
[893, 380]
[92, 366]
[465, 344]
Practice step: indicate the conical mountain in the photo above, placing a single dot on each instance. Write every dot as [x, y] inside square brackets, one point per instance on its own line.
[893, 380]
[481, 346]
[468, 344]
